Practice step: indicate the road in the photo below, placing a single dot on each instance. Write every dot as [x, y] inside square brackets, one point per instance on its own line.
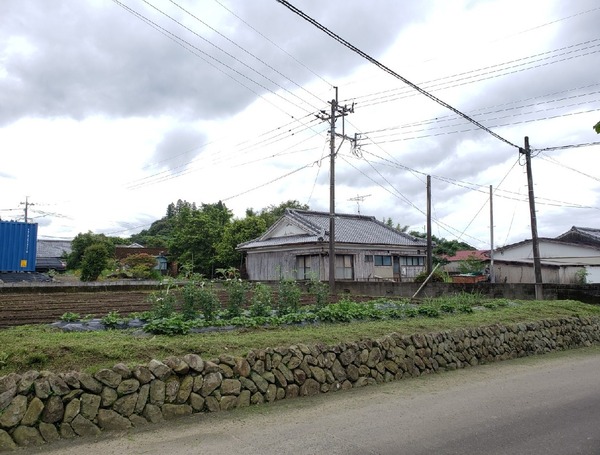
[541, 405]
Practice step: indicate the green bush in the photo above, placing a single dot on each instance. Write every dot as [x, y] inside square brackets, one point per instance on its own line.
[94, 261]
[236, 293]
[437, 277]
[208, 301]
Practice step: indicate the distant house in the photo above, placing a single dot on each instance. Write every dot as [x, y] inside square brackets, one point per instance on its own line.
[453, 265]
[51, 255]
[562, 258]
[162, 265]
[297, 246]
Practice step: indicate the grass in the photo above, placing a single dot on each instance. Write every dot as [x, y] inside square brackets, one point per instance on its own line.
[45, 348]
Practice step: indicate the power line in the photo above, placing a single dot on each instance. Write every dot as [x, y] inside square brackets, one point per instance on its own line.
[391, 72]
[242, 49]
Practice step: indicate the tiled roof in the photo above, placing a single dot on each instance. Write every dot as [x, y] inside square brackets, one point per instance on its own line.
[52, 248]
[589, 234]
[463, 255]
[354, 229]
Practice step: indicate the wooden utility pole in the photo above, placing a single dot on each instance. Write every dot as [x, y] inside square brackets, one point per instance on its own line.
[537, 265]
[335, 112]
[429, 241]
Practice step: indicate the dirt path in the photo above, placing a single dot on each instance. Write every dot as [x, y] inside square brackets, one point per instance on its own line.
[540, 405]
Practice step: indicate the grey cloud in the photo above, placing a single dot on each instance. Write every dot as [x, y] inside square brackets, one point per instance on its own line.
[178, 147]
[95, 58]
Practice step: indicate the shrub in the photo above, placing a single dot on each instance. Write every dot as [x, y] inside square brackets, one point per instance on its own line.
[163, 302]
[94, 261]
[437, 277]
[140, 265]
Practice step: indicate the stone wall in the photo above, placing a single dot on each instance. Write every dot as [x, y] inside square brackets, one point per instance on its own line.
[41, 407]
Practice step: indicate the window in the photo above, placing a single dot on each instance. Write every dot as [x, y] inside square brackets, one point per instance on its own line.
[412, 260]
[383, 260]
[344, 269]
[303, 267]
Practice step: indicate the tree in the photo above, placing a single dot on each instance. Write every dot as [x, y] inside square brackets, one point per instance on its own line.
[196, 232]
[273, 212]
[82, 241]
[444, 247]
[94, 261]
[238, 231]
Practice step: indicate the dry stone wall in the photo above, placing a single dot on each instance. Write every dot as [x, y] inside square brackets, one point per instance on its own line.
[42, 407]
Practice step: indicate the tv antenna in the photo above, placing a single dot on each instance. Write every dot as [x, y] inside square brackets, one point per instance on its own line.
[358, 199]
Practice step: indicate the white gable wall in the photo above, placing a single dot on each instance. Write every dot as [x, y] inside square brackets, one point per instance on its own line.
[548, 250]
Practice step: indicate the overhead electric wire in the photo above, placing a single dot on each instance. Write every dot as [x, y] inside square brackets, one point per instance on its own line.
[549, 159]
[230, 55]
[273, 43]
[400, 196]
[391, 72]
[399, 93]
[243, 50]
[194, 49]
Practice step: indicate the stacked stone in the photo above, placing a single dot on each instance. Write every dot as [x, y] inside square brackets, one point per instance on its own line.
[38, 407]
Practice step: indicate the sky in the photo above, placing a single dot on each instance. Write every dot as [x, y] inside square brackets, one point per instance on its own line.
[113, 109]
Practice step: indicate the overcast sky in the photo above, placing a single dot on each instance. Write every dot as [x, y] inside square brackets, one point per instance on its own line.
[111, 110]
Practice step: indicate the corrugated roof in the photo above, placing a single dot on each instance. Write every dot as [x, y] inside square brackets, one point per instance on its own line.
[354, 229]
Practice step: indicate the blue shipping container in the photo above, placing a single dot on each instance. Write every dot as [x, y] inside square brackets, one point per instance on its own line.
[18, 246]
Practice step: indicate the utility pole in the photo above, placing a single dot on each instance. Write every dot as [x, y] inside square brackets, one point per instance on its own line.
[335, 112]
[537, 266]
[429, 241]
[492, 276]
[26, 204]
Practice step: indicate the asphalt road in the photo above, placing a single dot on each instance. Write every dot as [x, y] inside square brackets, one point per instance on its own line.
[542, 405]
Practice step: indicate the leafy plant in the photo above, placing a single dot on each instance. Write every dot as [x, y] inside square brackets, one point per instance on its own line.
[261, 301]
[113, 319]
[175, 325]
[288, 296]
[70, 317]
[208, 301]
[581, 274]
[320, 290]
[429, 311]
[140, 265]
[236, 293]
[163, 301]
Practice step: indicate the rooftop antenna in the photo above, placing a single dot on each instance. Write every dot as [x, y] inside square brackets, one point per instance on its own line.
[358, 199]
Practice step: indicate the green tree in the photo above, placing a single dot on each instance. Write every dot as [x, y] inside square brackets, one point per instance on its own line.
[273, 212]
[236, 232]
[196, 233]
[94, 261]
[84, 240]
[443, 247]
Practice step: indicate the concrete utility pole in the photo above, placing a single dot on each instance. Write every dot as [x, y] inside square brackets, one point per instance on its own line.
[335, 112]
[492, 276]
[26, 204]
[429, 240]
[537, 265]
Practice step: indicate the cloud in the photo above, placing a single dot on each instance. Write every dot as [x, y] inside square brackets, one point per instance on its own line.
[178, 148]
